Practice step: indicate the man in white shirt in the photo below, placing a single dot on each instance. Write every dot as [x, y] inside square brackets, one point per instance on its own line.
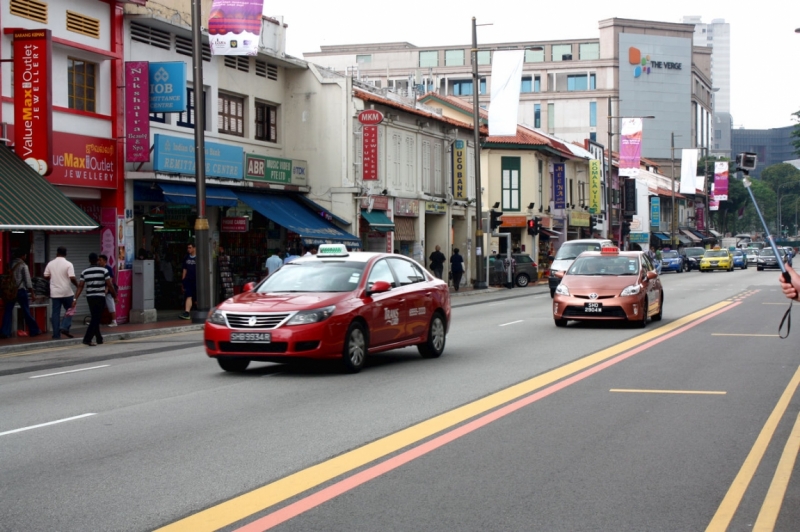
[274, 262]
[61, 275]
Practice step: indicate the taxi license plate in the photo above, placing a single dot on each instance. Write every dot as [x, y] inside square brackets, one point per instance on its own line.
[261, 338]
[593, 307]
[714, 263]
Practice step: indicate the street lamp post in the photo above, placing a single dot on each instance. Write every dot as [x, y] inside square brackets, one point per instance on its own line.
[480, 278]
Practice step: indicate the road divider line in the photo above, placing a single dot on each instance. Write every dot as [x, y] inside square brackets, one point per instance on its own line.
[727, 508]
[242, 506]
[690, 392]
[40, 425]
[768, 515]
[510, 323]
[70, 371]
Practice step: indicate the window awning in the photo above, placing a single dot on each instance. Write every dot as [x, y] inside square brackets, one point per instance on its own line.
[28, 202]
[699, 235]
[691, 236]
[662, 236]
[715, 233]
[549, 232]
[684, 240]
[378, 221]
[404, 229]
[320, 209]
[288, 213]
[182, 194]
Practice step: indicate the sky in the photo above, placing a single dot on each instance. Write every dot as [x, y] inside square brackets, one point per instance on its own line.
[765, 78]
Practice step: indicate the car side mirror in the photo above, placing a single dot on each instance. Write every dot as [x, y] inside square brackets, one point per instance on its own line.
[248, 287]
[378, 287]
[651, 275]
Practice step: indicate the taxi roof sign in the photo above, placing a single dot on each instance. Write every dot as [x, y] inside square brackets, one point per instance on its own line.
[609, 250]
[332, 250]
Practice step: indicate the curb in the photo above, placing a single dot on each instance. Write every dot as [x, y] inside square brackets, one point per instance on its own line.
[107, 337]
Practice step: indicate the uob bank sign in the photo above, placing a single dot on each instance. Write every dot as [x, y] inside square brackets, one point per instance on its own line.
[168, 87]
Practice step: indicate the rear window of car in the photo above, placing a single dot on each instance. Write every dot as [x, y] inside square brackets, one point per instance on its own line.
[694, 252]
[604, 266]
[314, 276]
[669, 254]
[569, 251]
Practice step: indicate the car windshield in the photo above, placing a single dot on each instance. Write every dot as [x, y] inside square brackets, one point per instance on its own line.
[569, 251]
[767, 253]
[669, 254]
[605, 266]
[314, 276]
[694, 252]
[716, 253]
[752, 251]
[737, 253]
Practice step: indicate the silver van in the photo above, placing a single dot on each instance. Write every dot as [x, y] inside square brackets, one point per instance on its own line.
[566, 256]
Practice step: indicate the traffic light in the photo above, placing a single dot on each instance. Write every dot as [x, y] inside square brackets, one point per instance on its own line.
[626, 228]
[592, 221]
[494, 220]
[533, 226]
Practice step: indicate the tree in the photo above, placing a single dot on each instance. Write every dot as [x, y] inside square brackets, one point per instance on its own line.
[796, 132]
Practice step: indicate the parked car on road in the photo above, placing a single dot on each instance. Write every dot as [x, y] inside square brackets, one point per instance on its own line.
[693, 256]
[526, 270]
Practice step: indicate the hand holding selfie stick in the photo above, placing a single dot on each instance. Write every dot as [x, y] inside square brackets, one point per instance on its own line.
[746, 162]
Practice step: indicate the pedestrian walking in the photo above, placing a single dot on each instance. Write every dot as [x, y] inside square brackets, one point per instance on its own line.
[111, 304]
[22, 277]
[437, 259]
[189, 281]
[274, 262]
[457, 268]
[61, 275]
[96, 281]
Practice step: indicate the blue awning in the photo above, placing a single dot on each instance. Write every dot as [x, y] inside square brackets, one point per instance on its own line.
[662, 236]
[186, 195]
[288, 213]
[320, 209]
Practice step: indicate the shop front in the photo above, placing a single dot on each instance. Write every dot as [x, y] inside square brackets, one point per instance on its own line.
[406, 219]
[579, 223]
[516, 225]
[437, 232]
[376, 227]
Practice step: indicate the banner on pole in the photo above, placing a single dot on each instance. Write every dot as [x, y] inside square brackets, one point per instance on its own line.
[559, 186]
[688, 171]
[630, 147]
[595, 175]
[721, 180]
[506, 80]
[234, 26]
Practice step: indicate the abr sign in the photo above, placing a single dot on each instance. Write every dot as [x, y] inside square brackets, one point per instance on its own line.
[370, 117]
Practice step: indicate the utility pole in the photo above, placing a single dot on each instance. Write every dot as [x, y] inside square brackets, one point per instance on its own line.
[609, 153]
[672, 156]
[480, 278]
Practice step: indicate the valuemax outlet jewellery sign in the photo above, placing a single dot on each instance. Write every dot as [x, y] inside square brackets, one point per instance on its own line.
[33, 105]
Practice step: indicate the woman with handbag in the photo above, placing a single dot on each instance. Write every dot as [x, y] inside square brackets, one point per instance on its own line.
[22, 278]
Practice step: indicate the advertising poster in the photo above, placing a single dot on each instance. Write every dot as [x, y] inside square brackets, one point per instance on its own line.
[700, 215]
[655, 212]
[630, 147]
[33, 102]
[559, 186]
[137, 112]
[688, 171]
[234, 27]
[713, 203]
[124, 294]
[595, 176]
[721, 180]
[108, 235]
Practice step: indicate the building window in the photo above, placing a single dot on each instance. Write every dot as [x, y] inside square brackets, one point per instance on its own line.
[537, 84]
[453, 58]
[266, 122]
[161, 118]
[562, 52]
[593, 136]
[231, 114]
[592, 82]
[592, 114]
[537, 115]
[484, 57]
[551, 116]
[510, 174]
[363, 59]
[526, 85]
[81, 84]
[462, 88]
[577, 82]
[187, 119]
[589, 51]
[534, 56]
[483, 86]
[429, 58]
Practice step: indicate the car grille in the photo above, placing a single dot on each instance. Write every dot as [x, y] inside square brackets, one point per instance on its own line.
[256, 321]
[598, 297]
[275, 347]
[608, 312]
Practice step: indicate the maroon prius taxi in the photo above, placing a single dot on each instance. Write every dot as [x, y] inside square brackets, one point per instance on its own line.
[333, 305]
[609, 285]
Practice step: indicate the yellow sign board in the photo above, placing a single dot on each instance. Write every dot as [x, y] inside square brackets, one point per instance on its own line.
[595, 201]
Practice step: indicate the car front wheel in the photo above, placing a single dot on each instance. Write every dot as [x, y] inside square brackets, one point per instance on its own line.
[434, 345]
[232, 364]
[355, 348]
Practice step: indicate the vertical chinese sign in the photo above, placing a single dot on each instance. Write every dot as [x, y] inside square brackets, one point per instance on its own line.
[630, 147]
[369, 149]
[137, 112]
[559, 186]
[595, 176]
[33, 101]
[459, 170]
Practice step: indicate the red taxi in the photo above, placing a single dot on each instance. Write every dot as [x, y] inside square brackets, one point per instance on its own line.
[333, 305]
[609, 285]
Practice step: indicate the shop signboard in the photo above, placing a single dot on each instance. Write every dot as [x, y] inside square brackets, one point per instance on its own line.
[235, 225]
[33, 102]
[639, 238]
[431, 207]
[234, 26]
[406, 207]
[175, 155]
[369, 153]
[137, 112]
[594, 186]
[459, 170]
[579, 219]
[81, 161]
[299, 173]
[559, 186]
[167, 87]
[379, 203]
[275, 170]
[700, 215]
[514, 221]
[177, 216]
[655, 211]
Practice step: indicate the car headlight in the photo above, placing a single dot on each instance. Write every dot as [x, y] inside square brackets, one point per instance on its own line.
[304, 317]
[632, 290]
[562, 290]
[216, 317]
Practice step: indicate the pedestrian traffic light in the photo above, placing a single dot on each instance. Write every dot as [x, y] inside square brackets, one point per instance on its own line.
[626, 228]
[495, 220]
[533, 226]
[592, 221]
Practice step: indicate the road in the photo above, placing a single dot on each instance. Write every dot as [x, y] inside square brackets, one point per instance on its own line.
[689, 424]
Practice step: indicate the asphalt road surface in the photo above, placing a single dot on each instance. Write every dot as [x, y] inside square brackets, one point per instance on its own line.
[689, 424]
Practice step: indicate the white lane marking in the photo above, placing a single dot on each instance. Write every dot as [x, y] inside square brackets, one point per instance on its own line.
[46, 424]
[510, 323]
[70, 371]
[493, 304]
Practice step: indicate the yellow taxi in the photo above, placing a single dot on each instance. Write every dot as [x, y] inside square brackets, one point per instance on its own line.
[716, 259]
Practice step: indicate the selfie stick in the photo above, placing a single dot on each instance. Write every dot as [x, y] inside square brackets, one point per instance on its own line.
[771, 240]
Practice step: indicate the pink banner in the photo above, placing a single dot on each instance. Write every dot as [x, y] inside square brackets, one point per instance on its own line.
[630, 147]
[369, 153]
[124, 292]
[137, 112]
[721, 181]
[700, 215]
[713, 203]
[234, 26]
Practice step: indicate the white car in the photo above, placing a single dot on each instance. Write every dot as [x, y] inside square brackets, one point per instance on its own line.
[752, 255]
